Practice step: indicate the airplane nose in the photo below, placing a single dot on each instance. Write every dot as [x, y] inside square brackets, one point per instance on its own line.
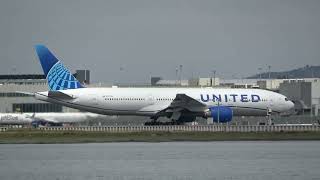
[291, 105]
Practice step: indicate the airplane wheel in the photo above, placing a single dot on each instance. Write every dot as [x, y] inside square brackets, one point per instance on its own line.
[174, 122]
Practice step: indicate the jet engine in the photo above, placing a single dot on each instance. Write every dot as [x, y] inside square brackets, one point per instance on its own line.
[221, 114]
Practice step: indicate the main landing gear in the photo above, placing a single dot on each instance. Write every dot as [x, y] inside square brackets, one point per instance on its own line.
[159, 123]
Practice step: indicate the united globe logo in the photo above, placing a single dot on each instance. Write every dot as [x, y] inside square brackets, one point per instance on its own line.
[59, 78]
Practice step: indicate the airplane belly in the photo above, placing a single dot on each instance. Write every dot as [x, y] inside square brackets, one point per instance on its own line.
[247, 111]
[122, 108]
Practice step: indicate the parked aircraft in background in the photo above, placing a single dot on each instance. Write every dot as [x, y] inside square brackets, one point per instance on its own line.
[45, 118]
[178, 104]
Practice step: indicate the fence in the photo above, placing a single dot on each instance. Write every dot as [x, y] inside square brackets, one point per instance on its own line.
[198, 128]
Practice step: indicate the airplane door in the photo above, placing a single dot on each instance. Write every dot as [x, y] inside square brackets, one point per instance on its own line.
[271, 106]
[93, 100]
[271, 103]
[150, 99]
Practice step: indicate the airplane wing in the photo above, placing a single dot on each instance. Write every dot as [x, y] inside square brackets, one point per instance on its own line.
[181, 103]
[186, 102]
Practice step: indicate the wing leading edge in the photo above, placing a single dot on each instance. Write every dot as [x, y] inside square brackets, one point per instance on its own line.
[181, 104]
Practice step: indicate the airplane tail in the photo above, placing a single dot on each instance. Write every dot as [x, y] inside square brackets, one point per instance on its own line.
[58, 77]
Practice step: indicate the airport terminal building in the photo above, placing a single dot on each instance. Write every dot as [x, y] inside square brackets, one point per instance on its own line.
[305, 92]
[13, 101]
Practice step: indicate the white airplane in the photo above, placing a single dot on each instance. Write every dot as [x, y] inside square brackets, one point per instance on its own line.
[179, 104]
[45, 118]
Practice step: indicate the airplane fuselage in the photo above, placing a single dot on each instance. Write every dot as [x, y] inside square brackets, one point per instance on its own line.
[179, 104]
[149, 101]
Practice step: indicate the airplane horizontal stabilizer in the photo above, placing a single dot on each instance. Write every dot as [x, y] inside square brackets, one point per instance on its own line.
[59, 95]
[26, 93]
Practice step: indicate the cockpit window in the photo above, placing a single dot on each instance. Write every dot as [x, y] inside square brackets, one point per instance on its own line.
[286, 99]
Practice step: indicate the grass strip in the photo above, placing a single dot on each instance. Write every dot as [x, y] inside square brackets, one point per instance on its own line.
[34, 136]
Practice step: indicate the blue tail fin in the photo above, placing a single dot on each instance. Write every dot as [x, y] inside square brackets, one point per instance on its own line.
[58, 77]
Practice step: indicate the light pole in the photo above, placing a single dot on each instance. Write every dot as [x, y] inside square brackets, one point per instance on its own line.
[214, 78]
[177, 76]
[218, 112]
[260, 73]
[180, 66]
[269, 67]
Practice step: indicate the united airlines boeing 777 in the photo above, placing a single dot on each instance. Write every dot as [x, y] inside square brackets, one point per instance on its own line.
[178, 104]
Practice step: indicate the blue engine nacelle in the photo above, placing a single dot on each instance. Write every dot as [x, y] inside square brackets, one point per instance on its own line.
[221, 114]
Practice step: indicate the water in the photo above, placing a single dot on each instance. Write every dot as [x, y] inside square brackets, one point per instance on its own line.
[162, 161]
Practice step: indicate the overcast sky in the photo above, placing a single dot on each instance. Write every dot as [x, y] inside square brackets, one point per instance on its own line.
[131, 40]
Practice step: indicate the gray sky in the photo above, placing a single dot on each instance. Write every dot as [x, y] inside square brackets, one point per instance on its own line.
[149, 37]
